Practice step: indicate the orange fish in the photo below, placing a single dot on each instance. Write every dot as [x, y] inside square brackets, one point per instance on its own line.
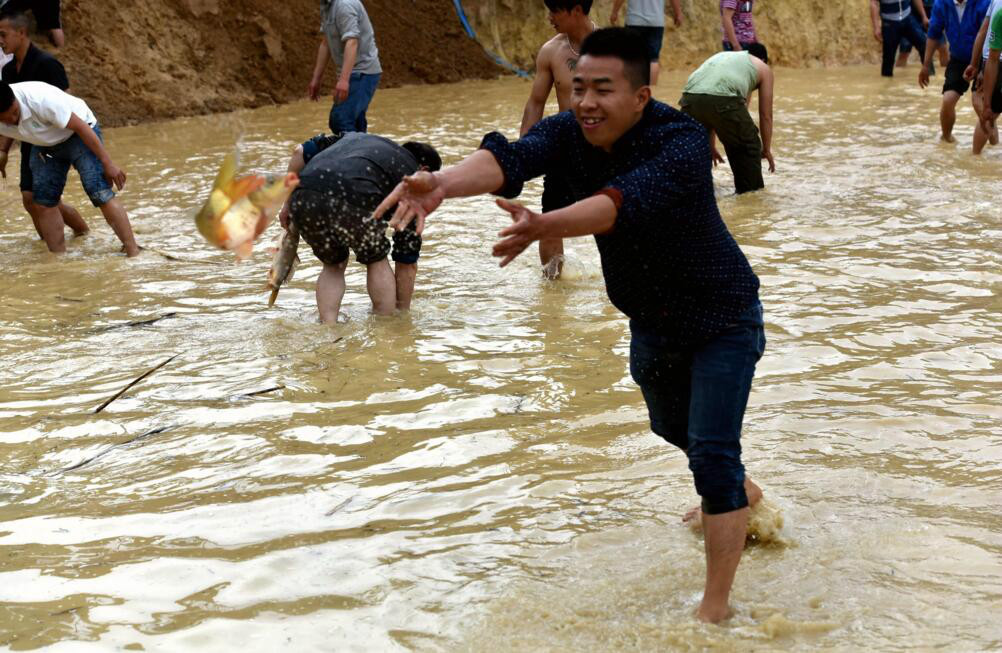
[239, 210]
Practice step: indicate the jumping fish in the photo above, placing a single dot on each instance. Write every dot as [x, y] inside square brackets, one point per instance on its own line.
[284, 264]
[239, 210]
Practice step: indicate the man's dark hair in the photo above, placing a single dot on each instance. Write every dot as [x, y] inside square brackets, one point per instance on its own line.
[621, 43]
[425, 154]
[17, 18]
[758, 50]
[6, 96]
[568, 5]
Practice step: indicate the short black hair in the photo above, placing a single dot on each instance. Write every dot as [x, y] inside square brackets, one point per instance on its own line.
[758, 50]
[568, 5]
[622, 43]
[425, 154]
[6, 96]
[17, 18]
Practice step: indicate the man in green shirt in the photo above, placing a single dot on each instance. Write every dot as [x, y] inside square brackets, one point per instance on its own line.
[991, 108]
[717, 95]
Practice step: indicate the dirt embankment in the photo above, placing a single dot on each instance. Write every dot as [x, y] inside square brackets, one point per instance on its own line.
[154, 59]
[147, 60]
[797, 32]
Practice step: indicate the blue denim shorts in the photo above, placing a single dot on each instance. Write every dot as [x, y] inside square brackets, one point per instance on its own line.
[51, 165]
[349, 116]
[696, 401]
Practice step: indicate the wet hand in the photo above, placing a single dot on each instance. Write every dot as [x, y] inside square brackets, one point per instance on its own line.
[969, 73]
[715, 155]
[283, 216]
[115, 175]
[341, 91]
[313, 90]
[678, 20]
[525, 229]
[877, 35]
[415, 197]
[614, 18]
[767, 155]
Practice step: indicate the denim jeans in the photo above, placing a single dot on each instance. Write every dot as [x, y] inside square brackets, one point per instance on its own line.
[349, 116]
[696, 400]
[892, 31]
[51, 165]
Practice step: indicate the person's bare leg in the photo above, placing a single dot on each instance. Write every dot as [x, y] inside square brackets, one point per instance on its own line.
[405, 274]
[724, 540]
[57, 37]
[28, 201]
[382, 287]
[330, 291]
[980, 135]
[116, 216]
[550, 248]
[902, 59]
[655, 71]
[50, 226]
[73, 219]
[948, 115]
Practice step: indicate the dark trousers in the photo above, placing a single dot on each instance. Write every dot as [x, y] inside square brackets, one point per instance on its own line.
[729, 118]
[892, 32]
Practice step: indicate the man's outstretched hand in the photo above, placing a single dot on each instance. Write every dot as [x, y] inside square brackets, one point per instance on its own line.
[415, 197]
[525, 228]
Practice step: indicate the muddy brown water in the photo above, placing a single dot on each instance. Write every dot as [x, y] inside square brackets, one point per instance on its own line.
[478, 474]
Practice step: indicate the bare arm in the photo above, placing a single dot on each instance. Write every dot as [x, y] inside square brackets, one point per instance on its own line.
[323, 56]
[676, 8]
[541, 86]
[979, 45]
[727, 19]
[616, 6]
[875, 19]
[350, 57]
[931, 45]
[112, 173]
[765, 92]
[296, 165]
[5, 144]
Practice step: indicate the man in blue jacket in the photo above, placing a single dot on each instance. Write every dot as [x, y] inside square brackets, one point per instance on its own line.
[961, 20]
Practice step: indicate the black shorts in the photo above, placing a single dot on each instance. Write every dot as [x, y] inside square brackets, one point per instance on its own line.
[332, 224]
[46, 11]
[955, 76]
[26, 178]
[653, 37]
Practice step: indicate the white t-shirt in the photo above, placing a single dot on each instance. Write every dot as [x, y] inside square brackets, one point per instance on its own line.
[995, 6]
[45, 112]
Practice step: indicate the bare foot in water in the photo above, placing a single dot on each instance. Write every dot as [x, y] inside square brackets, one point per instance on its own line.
[713, 616]
[948, 139]
[693, 518]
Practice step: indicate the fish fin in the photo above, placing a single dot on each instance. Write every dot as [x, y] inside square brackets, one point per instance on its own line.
[272, 297]
[227, 172]
[244, 250]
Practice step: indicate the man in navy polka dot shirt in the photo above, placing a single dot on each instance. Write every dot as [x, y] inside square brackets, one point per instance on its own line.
[640, 174]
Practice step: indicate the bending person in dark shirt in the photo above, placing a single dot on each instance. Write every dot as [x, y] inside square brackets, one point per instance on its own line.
[640, 174]
[31, 64]
[341, 179]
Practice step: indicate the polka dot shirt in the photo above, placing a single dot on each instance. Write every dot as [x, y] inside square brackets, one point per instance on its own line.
[670, 264]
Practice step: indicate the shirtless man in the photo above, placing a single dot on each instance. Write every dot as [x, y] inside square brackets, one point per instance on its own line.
[555, 65]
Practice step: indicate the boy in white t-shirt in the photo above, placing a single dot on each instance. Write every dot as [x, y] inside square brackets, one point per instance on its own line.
[63, 132]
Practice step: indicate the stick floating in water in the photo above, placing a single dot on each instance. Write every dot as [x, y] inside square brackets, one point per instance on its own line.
[126, 388]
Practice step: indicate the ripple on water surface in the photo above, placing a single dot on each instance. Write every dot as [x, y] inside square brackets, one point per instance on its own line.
[479, 474]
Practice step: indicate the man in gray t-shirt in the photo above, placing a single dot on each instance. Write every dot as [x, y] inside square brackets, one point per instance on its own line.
[647, 19]
[349, 40]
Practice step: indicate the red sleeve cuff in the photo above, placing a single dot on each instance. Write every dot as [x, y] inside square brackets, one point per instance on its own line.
[614, 194]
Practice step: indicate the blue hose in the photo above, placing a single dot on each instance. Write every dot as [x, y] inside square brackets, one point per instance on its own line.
[473, 35]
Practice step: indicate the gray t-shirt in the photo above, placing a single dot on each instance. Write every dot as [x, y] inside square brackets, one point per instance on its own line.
[346, 19]
[648, 13]
[362, 168]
